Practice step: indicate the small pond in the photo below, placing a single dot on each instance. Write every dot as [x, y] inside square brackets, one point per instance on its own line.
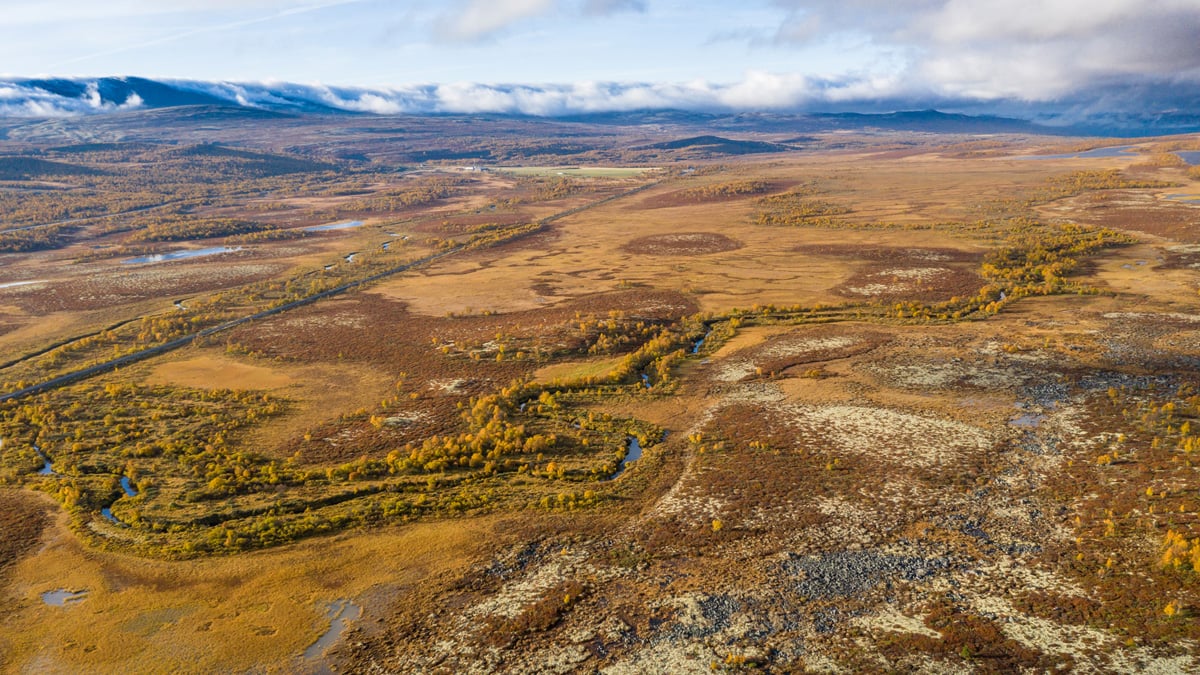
[350, 224]
[62, 597]
[180, 255]
[1192, 157]
[340, 613]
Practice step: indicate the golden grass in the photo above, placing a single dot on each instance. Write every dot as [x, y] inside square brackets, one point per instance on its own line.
[316, 393]
[257, 611]
[585, 254]
[748, 337]
[1134, 270]
[214, 372]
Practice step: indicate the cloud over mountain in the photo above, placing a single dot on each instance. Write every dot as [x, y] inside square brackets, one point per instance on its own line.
[1037, 50]
[1058, 61]
[1119, 106]
[1054, 61]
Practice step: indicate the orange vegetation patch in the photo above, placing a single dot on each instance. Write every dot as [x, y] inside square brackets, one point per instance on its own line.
[720, 192]
[243, 613]
[461, 224]
[1181, 258]
[214, 372]
[682, 243]
[118, 284]
[22, 518]
[778, 353]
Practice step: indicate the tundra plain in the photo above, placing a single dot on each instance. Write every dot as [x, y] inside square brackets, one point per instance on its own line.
[904, 401]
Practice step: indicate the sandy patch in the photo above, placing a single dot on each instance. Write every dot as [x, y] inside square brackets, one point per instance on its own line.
[894, 281]
[892, 621]
[447, 386]
[903, 438]
[939, 376]
[807, 345]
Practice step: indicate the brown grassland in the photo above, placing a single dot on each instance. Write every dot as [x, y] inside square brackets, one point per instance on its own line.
[930, 409]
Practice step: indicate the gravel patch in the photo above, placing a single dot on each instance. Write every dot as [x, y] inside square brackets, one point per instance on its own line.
[849, 573]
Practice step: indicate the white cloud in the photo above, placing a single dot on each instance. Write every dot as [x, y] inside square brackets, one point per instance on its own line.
[756, 91]
[17, 100]
[482, 18]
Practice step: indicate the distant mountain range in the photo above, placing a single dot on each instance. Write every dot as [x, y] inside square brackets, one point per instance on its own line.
[69, 97]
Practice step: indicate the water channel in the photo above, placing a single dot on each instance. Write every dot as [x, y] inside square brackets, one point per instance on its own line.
[633, 453]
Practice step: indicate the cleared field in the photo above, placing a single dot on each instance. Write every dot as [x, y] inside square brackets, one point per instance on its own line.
[579, 171]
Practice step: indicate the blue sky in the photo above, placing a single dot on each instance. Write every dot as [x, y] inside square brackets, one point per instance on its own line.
[745, 54]
[381, 43]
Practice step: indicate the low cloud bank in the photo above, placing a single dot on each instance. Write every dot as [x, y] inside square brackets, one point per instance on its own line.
[760, 92]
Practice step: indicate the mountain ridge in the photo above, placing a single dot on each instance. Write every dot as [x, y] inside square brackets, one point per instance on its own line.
[56, 97]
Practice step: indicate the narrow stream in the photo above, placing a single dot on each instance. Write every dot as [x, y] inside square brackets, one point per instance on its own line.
[130, 491]
[700, 343]
[108, 515]
[633, 453]
[46, 470]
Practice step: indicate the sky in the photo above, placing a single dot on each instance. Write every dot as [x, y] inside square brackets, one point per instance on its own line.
[552, 56]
